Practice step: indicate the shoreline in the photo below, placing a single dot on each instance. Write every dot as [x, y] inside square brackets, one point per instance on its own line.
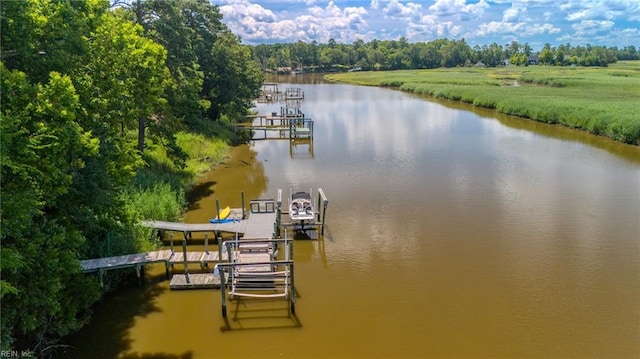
[600, 101]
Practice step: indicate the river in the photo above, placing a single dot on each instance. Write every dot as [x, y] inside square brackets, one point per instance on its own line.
[451, 232]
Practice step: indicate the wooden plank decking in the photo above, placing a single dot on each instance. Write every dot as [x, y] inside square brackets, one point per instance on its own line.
[258, 225]
[261, 225]
[194, 281]
[124, 261]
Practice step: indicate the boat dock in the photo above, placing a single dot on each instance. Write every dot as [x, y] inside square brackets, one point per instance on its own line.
[283, 125]
[270, 93]
[256, 242]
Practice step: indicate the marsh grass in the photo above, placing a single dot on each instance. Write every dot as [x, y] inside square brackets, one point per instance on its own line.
[158, 192]
[602, 101]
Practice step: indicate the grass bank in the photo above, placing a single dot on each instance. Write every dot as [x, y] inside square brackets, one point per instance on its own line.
[158, 193]
[601, 101]
[167, 180]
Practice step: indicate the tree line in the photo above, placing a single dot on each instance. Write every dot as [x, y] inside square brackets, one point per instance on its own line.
[400, 55]
[85, 87]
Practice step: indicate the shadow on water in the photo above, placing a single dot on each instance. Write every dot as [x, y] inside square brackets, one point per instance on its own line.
[117, 314]
[198, 192]
[260, 313]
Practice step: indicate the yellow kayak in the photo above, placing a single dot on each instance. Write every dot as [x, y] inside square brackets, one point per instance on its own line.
[224, 214]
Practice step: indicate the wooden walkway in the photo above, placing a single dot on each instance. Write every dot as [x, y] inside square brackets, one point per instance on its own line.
[236, 225]
[261, 223]
[125, 261]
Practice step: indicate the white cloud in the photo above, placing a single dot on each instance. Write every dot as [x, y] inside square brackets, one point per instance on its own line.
[591, 27]
[481, 21]
[515, 28]
[453, 7]
[598, 9]
[538, 29]
[254, 22]
[396, 10]
[510, 14]
[517, 12]
[578, 15]
[254, 11]
[498, 27]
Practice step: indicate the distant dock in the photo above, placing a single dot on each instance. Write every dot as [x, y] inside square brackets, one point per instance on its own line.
[270, 92]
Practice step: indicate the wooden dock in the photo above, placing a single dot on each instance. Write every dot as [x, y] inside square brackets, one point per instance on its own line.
[293, 93]
[290, 122]
[194, 281]
[261, 226]
[124, 261]
[261, 223]
[270, 93]
[279, 127]
[247, 266]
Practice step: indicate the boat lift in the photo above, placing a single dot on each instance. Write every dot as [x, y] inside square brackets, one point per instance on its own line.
[254, 271]
[320, 213]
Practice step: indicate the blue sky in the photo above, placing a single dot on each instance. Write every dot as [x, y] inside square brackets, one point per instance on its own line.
[480, 22]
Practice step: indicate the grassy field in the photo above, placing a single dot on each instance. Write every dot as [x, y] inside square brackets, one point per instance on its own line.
[602, 101]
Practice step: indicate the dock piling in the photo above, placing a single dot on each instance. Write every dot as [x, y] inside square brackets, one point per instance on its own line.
[242, 201]
[325, 203]
[223, 291]
[278, 212]
[184, 254]
[217, 209]
[292, 293]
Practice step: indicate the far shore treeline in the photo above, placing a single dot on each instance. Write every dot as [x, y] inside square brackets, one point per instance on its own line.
[399, 54]
[111, 109]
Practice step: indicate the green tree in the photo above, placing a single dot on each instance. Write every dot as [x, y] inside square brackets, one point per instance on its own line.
[175, 25]
[40, 36]
[547, 55]
[42, 295]
[238, 79]
[125, 77]
[67, 155]
[491, 55]
[455, 53]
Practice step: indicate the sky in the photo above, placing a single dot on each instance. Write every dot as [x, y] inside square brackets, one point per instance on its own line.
[479, 22]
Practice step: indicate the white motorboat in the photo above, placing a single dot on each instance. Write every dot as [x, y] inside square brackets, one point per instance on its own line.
[301, 206]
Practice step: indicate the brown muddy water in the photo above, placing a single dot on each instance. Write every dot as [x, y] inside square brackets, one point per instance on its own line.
[450, 234]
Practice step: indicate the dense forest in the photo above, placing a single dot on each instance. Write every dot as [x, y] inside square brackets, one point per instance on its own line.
[99, 102]
[402, 55]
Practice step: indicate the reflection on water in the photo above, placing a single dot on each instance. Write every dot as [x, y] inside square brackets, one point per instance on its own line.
[449, 235]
